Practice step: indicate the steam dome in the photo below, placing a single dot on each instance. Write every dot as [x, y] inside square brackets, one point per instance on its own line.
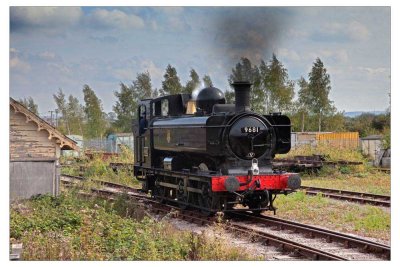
[208, 97]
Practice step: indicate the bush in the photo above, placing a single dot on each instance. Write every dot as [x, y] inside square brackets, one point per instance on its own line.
[69, 228]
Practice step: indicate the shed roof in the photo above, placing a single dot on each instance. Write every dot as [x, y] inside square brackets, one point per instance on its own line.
[63, 141]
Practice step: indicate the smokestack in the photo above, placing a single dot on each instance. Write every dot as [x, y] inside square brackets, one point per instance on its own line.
[242, 95]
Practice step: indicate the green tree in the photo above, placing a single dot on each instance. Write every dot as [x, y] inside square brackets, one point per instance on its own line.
[155, 93]
[171, 84]
[125, 107]
[95, 126]
[76, 115]
[30, 104]
[63, 122]
[278, 89]
[334, 121]
[207, 81]
[230, 96]
[193, 83]
[245, 71]
[128, 98]
[142, 87]
[361, 124]
[319, 88]
[304, 100]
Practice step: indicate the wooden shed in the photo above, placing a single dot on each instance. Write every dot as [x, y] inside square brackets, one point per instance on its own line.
[35, 148]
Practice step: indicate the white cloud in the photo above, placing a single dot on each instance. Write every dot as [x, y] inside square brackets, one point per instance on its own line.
[296, 33]
[342, 56]
[172, 10]
[177, 23]
[338, 55]
[288, 54]
[124, 74]
[154, 25]
[18, 64]
[60, 68]
[46, 17]
[102, 18]
[155, 72]
[375, 71]
[357, 31]
[47, 55]
[352, 30]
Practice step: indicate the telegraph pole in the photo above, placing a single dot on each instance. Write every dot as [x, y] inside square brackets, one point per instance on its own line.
[56, 117]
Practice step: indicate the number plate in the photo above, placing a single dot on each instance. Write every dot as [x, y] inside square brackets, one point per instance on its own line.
[250, 129]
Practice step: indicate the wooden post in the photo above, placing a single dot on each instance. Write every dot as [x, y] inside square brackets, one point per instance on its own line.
[16, 252]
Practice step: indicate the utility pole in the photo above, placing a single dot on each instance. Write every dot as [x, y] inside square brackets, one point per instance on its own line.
[56, 117]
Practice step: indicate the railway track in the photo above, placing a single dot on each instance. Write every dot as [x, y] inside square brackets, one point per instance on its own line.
[256, 227]
[322, 236]
[358, 197]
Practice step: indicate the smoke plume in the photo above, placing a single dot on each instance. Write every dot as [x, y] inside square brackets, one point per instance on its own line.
[251, 32]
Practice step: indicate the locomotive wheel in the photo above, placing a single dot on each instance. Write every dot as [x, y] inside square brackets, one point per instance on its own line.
[181, 196]
[159, 191]
[205, 200]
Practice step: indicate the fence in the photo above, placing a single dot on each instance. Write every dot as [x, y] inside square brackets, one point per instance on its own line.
[111, 144]
[107, 145]
[340, 140]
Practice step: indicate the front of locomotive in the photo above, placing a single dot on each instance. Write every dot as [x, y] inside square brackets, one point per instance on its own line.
[251, 141]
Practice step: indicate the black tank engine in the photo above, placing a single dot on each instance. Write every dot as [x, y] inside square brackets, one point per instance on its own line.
[211, 155]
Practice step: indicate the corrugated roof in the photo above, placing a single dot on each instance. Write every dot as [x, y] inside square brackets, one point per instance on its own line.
[64, 142]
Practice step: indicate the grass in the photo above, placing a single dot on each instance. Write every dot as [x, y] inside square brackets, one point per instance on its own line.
[368, 182]
[99, 169]
[71, 228]
[361, 178]
[363, 220]
[331, 152]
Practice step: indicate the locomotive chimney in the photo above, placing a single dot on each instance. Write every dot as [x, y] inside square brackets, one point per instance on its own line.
[242, 95]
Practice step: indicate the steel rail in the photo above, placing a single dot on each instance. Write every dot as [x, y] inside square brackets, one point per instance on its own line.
[346, 240]
[105, 183]
[358, 197]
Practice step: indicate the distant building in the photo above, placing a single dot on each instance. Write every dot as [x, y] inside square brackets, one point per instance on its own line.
[117, 140]
[371, 145]
[78, 139]
[35, 148]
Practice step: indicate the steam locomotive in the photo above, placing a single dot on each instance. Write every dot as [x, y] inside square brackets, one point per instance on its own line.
[210, 155]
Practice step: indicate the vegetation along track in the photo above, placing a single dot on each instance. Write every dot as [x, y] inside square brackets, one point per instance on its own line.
[247, 224]
[358, 197]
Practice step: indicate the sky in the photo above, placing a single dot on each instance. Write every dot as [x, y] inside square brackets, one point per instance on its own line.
[67, 47]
